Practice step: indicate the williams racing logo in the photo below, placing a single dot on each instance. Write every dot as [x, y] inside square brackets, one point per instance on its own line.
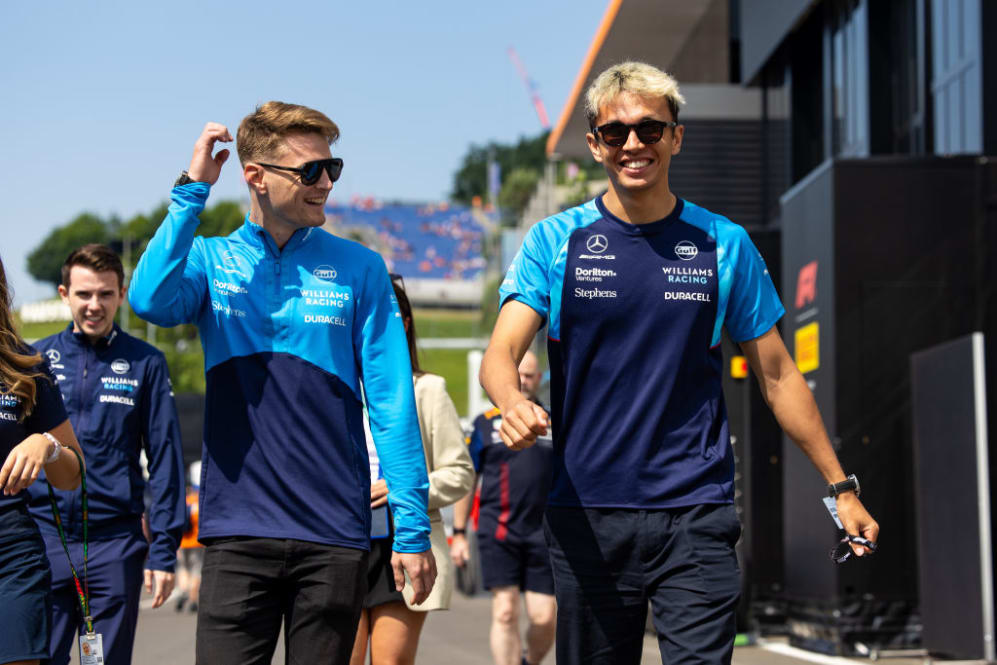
[119, 389]
[597, 245]
[120, 366]
[8, 407]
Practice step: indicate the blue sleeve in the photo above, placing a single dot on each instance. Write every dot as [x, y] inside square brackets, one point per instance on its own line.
[169, 283]
[49, 412]
[474, 447]
[383, 358]
[528, 279]
[161, 431]
[753, 306]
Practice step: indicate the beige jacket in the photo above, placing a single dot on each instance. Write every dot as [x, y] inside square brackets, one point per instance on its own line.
[451, 475]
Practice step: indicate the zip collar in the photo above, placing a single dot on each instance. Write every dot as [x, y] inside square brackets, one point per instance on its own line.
[254, 234]
[101, 344]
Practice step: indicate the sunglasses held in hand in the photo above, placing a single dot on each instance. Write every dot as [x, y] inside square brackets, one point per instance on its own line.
[310, 172]
[616, 134]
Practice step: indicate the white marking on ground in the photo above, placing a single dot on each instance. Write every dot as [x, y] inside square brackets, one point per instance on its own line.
[803, 654]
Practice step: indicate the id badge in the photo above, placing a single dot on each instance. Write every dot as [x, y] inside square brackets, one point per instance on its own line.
[92, 649]
[379, 522]
[832, 507]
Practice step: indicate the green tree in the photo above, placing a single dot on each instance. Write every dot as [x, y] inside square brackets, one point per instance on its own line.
[221, 219]
[45, 262]
[516, 192]
[471, 179]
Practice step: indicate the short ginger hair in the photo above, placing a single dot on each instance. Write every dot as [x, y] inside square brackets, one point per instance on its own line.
[262, 131]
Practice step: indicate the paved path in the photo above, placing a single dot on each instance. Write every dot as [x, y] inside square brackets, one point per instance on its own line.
[457, 637]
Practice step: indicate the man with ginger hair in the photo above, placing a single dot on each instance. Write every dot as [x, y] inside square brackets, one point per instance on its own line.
[298, 326]
[636, 286]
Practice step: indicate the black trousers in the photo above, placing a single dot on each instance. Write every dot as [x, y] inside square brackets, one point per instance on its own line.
[250, 586]
[608, 563]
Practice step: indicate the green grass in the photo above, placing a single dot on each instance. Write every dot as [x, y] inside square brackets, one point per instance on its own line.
[451, 364]
[35, 331]
[447, 323]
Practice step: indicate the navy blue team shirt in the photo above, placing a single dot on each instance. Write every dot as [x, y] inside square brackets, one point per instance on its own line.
[634, 314]
[120, 400]
[46, 415]
[514, 483]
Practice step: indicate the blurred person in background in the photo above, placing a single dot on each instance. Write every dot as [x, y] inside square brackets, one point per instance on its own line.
[34, 432]
[636, 287]
[293, 321]
[514, 558]
[191, 555]
[390, 623]
[119, 398]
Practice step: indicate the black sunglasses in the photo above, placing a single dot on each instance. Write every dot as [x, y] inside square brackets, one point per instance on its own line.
[616, 134]
[310, 172]
[842, 552]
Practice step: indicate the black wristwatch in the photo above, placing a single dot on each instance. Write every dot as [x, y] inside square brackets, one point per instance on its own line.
[459, 532]
[184, 179]
[849, 484]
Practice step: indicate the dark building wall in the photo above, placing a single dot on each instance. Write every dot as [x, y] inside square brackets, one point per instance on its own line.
[909, 246]
[764, 24]
[807, 232]
[734, 191]
[705, 56]
[989, 44]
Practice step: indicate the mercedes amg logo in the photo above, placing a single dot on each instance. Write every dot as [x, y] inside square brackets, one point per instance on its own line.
[53, 355]
[597, 244]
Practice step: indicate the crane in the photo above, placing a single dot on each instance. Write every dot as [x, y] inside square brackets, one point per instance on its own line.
[531, 88]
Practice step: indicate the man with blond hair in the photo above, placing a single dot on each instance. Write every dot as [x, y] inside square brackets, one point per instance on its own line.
[636, 286]
[298, 328]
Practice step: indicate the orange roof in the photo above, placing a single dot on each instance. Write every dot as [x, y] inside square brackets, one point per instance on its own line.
[583, 73]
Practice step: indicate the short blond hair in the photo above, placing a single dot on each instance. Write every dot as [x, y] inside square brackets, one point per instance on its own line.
[261, 132]
[637, 78]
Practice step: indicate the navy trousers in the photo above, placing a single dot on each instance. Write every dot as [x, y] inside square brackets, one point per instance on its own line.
[608, 563]
[115, 575]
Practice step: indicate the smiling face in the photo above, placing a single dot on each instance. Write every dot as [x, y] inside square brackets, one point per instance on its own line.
[93, 299]
[286, 203]
[636, 169]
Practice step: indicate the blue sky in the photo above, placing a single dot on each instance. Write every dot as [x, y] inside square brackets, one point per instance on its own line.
[102, 101]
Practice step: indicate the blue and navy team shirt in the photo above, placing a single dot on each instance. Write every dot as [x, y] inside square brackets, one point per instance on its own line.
[15, 427]
[289, 335]
[634, 315]
[119, 398]
[514, 483]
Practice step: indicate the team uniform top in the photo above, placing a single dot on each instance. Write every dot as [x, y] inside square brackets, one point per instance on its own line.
[48, 413]
[634, 315]
[514, 483]
[118, 394]
[288, 336]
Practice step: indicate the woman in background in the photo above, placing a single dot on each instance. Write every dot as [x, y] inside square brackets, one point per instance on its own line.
[389, 621]
[34, 430]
